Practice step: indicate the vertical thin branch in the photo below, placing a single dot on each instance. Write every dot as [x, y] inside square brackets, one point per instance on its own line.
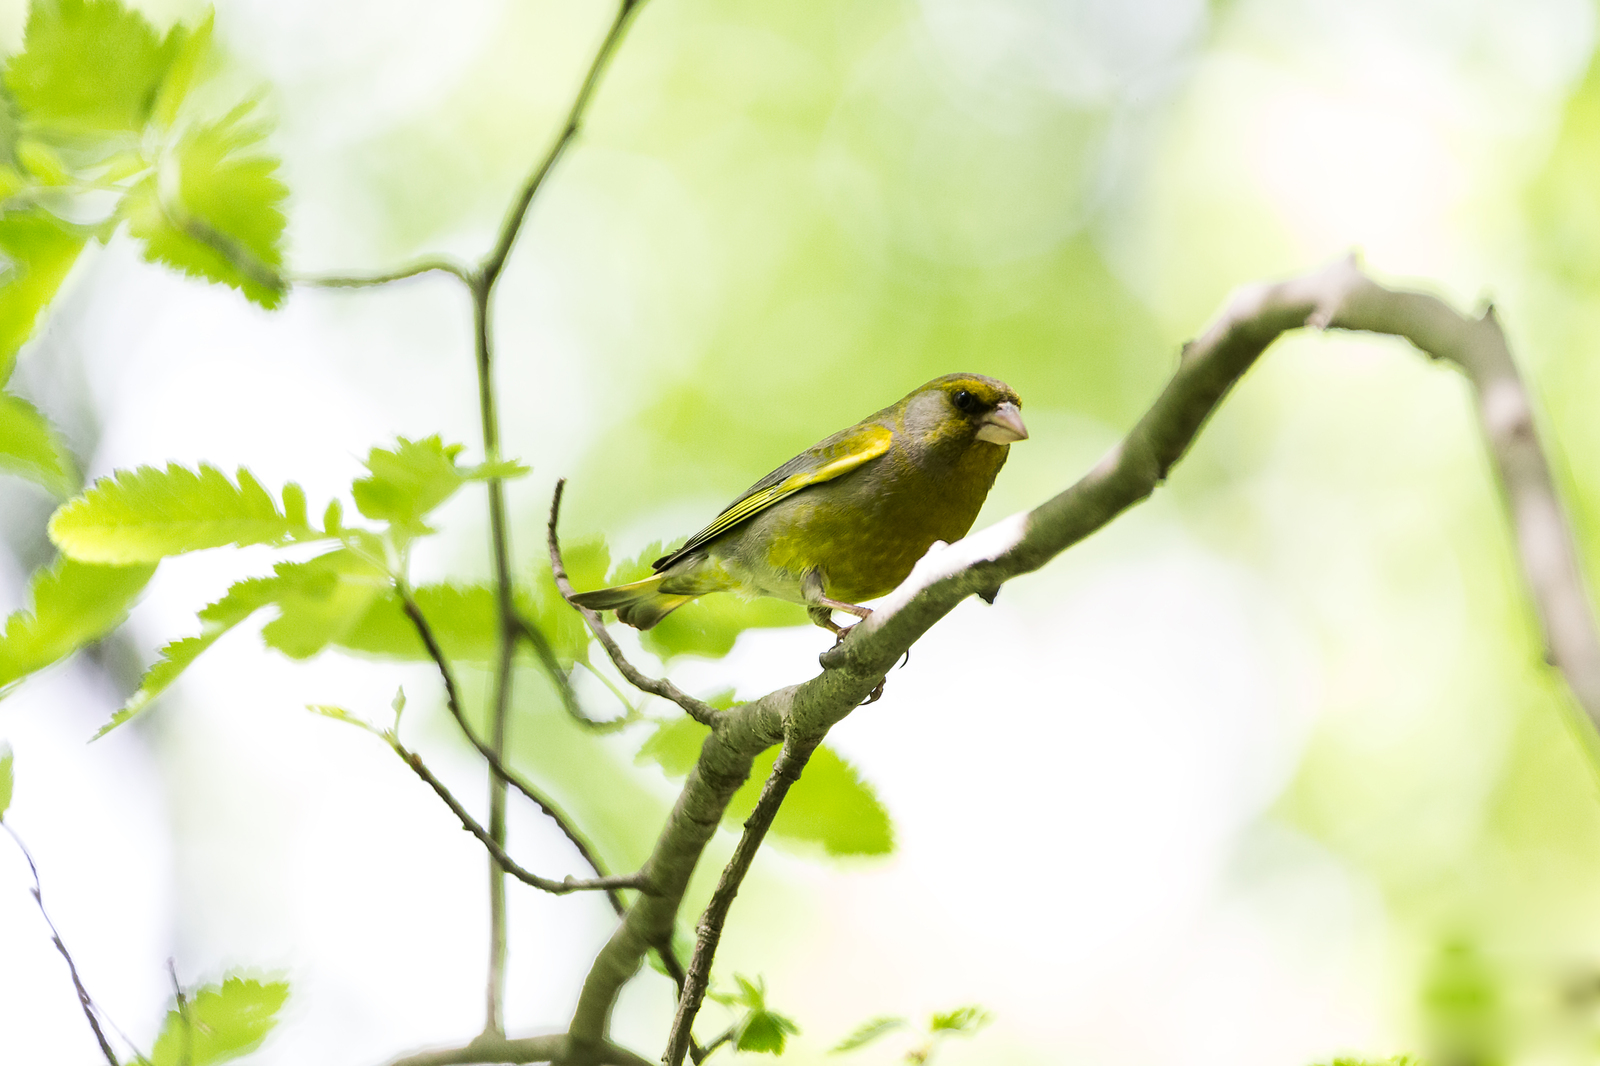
[494, 1020]
[482, 285]
[89, 1009]
[785, 772]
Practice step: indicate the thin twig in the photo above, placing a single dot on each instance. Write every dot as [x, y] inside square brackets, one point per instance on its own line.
[365, 281]
[452, 701]
[507, 863]
[183, 1014]
[495, 262]
[699, 710]
[90, 1011]
[563, 682]
[785, 772]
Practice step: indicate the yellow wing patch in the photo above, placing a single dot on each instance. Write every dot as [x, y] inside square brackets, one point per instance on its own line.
[833, 459]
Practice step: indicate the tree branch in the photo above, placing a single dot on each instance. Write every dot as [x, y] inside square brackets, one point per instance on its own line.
[699, 710]
[609, 885]
[785, 772]
[90, 1011]
[452, 701]
[1337, 296]
[494, 263]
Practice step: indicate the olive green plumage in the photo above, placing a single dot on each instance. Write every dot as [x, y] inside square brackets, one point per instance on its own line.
[847, 519]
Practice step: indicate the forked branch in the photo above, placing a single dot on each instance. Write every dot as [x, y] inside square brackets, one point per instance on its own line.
[697, 709]
[1338, 296]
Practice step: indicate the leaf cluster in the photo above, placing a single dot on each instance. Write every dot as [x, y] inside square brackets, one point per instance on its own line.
[759, 1028]
[100, 120]
[114, 535]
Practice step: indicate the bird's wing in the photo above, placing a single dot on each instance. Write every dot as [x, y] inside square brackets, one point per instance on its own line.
[834, 457]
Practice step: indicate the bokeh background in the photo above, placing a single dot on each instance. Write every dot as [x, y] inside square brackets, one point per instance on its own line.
[1269, 771]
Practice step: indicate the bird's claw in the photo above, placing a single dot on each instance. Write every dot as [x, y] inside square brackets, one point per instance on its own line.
[875, 695]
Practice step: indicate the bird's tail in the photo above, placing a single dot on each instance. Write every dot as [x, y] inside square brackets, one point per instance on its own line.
[640, 604]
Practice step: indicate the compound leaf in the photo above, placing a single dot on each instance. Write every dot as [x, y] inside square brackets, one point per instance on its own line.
[31, 447]
[214, 209]
[241, 600]
[72, 604]
[38, 249]
[143, 515]
[89, 66]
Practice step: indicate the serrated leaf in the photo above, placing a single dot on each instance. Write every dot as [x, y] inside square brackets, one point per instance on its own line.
[148, 514]
[30, 447]
[964, 1020]
[866, 1033]
[214, 209]
[241, 600]
[219, 1022]
[39, 249]
[830, 805]
[5, 778]
[89, 66]
[764, 1032]
[190, 48]
[71, 604]
[321, 600]
[414, 477]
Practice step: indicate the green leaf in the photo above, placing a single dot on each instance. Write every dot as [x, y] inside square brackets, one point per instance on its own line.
[5, 779]
[866, 1033]
[38, 249]
[73, 604]
[414, 477]
[31, 448]
[147, 514]
[190, 48]
[219, 1023]
[830, 805]
[676, 745]
[963, 1020]
[320, 601]
[214, 209]
[89, 66]
[242, 600]
[764, 1032]
[341, 714]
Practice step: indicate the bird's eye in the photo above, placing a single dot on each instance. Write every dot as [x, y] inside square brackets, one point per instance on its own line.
[966, 402]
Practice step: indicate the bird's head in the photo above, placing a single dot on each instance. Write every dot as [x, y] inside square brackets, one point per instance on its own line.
[966, 407]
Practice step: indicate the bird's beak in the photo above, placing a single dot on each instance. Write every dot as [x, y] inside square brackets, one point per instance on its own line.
[1003, 425]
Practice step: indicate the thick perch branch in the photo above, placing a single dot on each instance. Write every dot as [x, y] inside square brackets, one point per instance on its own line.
[1338, 296]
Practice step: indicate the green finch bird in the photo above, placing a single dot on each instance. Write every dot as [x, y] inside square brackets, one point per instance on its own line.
[847, 519]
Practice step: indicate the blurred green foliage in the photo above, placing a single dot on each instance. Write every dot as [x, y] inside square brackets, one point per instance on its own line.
[808, 209]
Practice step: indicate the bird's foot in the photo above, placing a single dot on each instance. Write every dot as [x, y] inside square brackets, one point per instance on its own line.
[875, 695]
